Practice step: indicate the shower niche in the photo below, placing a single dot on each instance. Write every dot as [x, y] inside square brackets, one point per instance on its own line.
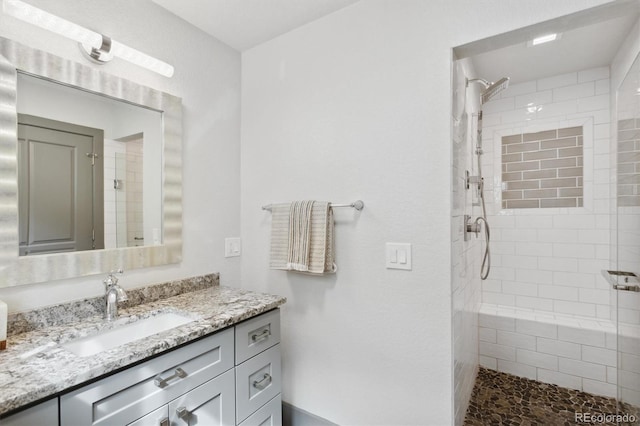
[543, 169]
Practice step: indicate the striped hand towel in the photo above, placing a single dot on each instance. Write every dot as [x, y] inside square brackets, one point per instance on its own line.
[302, 237]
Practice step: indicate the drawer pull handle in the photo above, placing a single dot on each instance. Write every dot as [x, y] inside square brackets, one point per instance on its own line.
[160, 382]
[165, 422]
[263, 383]
[183, 413]
[261, 336]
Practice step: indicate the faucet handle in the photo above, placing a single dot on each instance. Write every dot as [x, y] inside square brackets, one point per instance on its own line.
[111, 279]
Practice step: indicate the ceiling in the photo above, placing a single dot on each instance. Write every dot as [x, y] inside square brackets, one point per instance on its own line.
[581, 48]
[243, 24]
[589, 39]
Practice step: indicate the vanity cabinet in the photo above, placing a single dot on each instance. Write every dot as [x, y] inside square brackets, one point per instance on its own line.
[229, 378]
[45, 413]
[129, 395]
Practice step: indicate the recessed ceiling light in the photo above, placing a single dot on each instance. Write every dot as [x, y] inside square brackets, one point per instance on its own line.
[544, 39]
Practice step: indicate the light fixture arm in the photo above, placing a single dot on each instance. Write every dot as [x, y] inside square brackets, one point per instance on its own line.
[98, 55]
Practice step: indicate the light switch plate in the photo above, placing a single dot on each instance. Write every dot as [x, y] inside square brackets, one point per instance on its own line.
[398, 256]
[232, 247]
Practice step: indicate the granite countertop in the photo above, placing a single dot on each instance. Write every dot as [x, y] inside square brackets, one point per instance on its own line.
[36, 366]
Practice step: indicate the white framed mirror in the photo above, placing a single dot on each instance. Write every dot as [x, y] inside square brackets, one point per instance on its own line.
[158, 244]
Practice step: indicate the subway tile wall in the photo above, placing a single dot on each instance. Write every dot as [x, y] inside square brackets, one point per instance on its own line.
[111, 148]
[629, 162]
[134, 193]
[543, 169]
[466, 289]
[549, 259]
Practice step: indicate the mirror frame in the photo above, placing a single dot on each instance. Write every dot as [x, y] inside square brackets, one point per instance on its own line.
[17, 270]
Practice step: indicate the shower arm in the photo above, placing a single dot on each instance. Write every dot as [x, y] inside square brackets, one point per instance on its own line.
[491, 89]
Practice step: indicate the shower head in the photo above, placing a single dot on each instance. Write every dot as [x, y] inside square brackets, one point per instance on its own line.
[494, 88]
[490, 89]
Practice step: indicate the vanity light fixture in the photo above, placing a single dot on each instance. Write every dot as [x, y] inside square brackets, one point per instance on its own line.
[97, 47]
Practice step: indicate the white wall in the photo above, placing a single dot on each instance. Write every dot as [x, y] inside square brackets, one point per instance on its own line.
[207, 77]
[357, 105]
[549, 259]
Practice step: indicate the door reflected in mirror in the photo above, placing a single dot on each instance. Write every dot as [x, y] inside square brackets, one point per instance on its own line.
[89, 170]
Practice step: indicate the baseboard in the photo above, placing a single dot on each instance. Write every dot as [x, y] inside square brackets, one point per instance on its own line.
[294, 416]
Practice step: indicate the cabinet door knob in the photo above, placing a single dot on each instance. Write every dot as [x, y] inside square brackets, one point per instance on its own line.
[262, 383]
[164, 422]
[160, 382]
[183, 413]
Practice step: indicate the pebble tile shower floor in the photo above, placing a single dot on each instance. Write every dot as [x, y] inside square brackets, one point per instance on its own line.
[503, 399]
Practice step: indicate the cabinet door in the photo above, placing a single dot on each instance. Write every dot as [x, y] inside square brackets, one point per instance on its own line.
[160, 417]
[211, 404]
[44, 414]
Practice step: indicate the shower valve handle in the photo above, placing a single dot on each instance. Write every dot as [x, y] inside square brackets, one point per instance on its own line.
[474, 180]
[471, 226]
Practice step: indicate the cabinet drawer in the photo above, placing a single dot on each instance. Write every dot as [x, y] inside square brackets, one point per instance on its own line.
[269, 415]
[257, 334]
[160, 417]
[130, 394]
[258, 380]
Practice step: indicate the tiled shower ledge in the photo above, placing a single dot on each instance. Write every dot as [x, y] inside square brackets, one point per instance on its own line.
[570, 351]
[548, 317]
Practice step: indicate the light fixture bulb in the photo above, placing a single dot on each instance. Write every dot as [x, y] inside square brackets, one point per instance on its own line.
[141, 59]
[38, 17]
[544, 39]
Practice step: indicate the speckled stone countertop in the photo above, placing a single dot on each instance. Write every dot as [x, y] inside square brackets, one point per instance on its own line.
[36, 366]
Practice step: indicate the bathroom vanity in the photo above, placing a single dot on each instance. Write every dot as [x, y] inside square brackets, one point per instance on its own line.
[189, 352]
[222, 367]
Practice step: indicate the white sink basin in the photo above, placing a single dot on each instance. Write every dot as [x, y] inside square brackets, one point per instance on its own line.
[126, 333]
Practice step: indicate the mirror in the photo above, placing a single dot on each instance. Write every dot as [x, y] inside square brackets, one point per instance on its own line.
[104, 188]
[141, 130]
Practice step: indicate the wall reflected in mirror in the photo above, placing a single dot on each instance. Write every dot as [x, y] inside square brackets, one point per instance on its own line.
[75, 192]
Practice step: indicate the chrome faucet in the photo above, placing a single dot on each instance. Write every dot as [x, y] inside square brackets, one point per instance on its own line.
[114, 294]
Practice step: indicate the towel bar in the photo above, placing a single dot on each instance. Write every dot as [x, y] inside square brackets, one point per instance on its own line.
[358, 205]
